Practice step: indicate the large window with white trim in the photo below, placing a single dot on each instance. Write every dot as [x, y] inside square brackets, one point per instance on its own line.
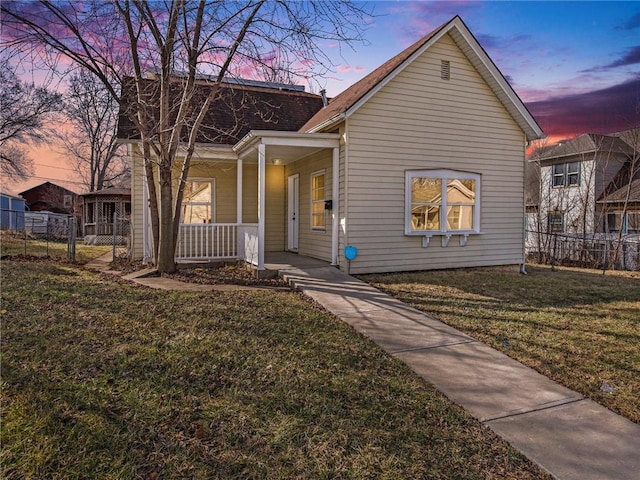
[318, 196]
[442, 202]
[198, 201]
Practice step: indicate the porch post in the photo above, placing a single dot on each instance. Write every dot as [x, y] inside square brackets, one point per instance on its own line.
[261, 203]
[239, 193]
[335, 212]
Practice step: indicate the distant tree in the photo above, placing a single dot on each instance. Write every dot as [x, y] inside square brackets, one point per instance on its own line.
[23, 113]
[218, 38]
[92, 144]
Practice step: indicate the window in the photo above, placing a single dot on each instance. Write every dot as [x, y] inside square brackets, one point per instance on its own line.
[197, 201]
[615, 222]
[566, 174]
[633, 222]
[68, 201]
[442, 201]
[318, 220]
[555, 222]
[558, 175]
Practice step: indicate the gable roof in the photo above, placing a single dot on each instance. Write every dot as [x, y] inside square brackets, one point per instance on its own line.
[239, 108]
[581, 145]
[350, 100]
[48, 185]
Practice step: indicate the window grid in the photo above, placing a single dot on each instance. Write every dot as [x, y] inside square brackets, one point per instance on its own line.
[318, 218]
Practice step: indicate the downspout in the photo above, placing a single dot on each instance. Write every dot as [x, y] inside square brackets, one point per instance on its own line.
[335, 214]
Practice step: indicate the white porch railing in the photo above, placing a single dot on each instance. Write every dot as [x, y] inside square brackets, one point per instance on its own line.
[217, 241]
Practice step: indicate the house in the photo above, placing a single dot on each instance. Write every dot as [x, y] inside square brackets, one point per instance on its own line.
[99, 208]
[11, 212]
[419, 165]
[584, 183]
[51, 198]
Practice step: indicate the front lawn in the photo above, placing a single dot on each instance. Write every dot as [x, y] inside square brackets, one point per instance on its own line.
[575, 326]
[105, 379]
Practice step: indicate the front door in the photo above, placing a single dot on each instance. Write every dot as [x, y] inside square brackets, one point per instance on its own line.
[293, 192]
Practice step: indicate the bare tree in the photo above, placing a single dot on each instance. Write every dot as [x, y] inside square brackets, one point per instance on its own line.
[22, 120]
[92, 142]
[218, 38]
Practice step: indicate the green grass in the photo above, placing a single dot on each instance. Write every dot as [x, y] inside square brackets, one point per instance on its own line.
[103, 379]
[576, 326]
[16, 244]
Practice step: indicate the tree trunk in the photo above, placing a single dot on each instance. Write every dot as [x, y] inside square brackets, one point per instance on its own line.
[167, 240]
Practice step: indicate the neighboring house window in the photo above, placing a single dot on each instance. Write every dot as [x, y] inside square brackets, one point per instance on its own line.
[566, 174]
[555, 222]
[629, 223]
[442, 201]
[318, 219]
[197, 201]
[68, 201]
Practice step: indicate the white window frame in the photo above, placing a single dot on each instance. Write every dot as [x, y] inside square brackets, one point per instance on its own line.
[212, 181]
[321, 202]
[444, 176]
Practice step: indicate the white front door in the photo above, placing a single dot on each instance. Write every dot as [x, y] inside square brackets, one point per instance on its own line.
[293, 192]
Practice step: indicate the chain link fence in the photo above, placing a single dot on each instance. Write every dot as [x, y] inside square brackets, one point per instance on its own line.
[601, 251]
[37, 233]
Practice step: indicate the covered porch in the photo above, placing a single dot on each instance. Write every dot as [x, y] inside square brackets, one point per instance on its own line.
[259, 152]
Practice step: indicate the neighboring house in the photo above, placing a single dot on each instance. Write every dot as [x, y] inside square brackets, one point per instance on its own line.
[99, 208]
[583, 184]
[11, 212]
[419, 165]
[51, 198]
[621, 210]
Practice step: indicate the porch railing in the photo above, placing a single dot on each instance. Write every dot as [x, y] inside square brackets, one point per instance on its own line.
[217, 241]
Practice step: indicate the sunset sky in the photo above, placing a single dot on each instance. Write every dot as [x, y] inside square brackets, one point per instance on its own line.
[575, 64]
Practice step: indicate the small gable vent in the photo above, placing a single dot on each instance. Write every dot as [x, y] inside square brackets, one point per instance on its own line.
[445, 69]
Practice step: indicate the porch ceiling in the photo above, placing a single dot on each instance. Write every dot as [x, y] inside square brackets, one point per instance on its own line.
[284, 147]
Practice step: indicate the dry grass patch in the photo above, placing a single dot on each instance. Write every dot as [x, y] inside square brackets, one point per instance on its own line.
[109, 380]
[16, 245]
[574, 325]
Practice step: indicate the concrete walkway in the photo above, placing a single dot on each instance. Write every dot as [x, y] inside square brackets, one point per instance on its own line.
[569, 436]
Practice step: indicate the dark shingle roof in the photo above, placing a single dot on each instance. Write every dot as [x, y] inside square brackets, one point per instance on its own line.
[237, 110]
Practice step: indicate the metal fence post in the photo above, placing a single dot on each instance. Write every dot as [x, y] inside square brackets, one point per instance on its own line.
[115, 219]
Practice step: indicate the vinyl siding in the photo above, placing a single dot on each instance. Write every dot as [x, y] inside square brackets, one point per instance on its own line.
[312, 243]
[419, 121]
[137, 204]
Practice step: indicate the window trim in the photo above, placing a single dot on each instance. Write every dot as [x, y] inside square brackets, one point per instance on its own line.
[212, 181]
[321, 202]
[444, 175]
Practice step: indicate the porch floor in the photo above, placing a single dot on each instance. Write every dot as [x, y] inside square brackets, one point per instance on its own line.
[278, 261]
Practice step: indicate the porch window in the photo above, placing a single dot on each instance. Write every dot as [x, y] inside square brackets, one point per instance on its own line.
[197, 201]
[441, 202]
[318, 219]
